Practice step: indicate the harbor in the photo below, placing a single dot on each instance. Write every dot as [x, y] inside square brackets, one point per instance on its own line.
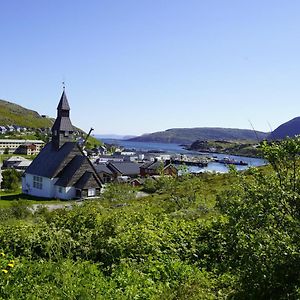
[197, 162]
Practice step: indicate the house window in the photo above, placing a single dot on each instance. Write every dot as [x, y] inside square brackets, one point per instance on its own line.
[38, 182]
[91, 192]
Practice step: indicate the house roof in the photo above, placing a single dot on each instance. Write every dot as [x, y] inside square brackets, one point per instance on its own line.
[23, 163]
[22, 141]
[49, 160]
[124, 168]
[153, 165]
[102, 168]
[15, 159]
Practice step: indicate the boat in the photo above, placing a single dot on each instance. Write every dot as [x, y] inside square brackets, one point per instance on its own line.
[228, 161]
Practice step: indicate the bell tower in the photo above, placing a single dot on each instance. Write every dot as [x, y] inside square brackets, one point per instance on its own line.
[62, 129]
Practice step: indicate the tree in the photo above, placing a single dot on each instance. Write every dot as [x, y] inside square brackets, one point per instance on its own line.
[258, 240]
[10, 179]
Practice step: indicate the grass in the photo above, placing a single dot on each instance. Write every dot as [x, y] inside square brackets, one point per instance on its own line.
[7, 198]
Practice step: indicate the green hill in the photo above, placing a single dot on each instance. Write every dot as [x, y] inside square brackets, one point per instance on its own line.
[189, 135]
[13, 114]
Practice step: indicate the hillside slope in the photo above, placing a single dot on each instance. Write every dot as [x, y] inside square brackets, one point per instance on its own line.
[290, 128]
[189, 135]
[13, 114]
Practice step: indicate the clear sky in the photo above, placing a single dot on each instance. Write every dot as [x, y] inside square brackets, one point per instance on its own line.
[137, 66]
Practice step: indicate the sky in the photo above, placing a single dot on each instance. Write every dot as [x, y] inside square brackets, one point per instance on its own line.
[140, 66]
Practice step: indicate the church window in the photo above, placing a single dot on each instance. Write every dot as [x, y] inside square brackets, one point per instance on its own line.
[38, 182]
[91, 192]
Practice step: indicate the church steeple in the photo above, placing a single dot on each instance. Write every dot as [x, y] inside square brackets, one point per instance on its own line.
[62, 129]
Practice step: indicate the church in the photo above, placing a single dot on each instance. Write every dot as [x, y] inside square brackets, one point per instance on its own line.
[61, 170]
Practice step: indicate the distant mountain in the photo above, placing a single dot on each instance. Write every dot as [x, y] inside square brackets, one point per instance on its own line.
[189, 135]
[13, 114]
[290, 128]
[114, 136]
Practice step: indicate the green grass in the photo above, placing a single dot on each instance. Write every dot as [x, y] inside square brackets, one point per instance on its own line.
[7, 199]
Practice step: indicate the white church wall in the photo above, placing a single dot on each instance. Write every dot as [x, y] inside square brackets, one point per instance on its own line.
[38, 186]
[65, 192]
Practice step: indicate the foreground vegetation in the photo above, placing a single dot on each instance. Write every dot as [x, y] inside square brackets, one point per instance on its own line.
[214, 236]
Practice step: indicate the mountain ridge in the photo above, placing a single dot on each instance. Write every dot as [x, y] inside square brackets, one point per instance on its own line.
[290, 128]
[189, 135]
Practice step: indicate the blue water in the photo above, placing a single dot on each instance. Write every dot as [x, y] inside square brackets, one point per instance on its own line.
[145, 146]
[175, 148]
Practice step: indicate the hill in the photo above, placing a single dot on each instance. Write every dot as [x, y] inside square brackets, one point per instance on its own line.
[290, 128]
[13, 114]
[189, 135]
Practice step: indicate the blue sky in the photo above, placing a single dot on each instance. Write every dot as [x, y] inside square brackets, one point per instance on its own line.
[140, 66]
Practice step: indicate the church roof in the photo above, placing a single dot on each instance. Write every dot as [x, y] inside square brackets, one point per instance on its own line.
[84, 179]
[63, 103]
[68, 173]
[63, 124]
[49, 160]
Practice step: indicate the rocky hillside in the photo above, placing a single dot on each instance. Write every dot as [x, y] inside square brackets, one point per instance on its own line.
[13, 114]
[189, 135]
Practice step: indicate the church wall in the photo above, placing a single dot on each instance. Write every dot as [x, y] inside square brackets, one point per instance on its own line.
[46, 189]
[65, 192]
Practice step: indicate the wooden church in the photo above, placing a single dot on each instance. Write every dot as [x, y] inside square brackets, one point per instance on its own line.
[61, 170]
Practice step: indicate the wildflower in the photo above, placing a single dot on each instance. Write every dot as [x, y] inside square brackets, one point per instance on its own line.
[4, 271]
[2, 254]
[10, 265]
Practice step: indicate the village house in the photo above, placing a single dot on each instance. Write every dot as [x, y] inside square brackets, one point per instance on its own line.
[157, 168]
[16, 146]
[126, 170]
[104, 173]
[16, 162]
[61, 170]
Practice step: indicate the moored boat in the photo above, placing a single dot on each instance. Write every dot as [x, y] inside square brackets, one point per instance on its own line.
[228, 161]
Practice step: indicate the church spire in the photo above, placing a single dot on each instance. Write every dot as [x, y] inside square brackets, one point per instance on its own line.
[62, 129]
[63, 103]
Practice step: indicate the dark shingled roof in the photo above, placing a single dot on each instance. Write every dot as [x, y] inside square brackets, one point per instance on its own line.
[66, 175]
[80, 184]
[49, 160]
[63, 103]
[62, 124]
[153, 165]
[124, 168]
[146, 164]
[102, 168]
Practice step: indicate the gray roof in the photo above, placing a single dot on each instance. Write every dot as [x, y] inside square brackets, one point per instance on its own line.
[67, 173]
[63, 103]
[124, 168]
[153, 165]
[102, 168]
[22, 141]
[81, 183]
[49, 160]
[62, 124]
